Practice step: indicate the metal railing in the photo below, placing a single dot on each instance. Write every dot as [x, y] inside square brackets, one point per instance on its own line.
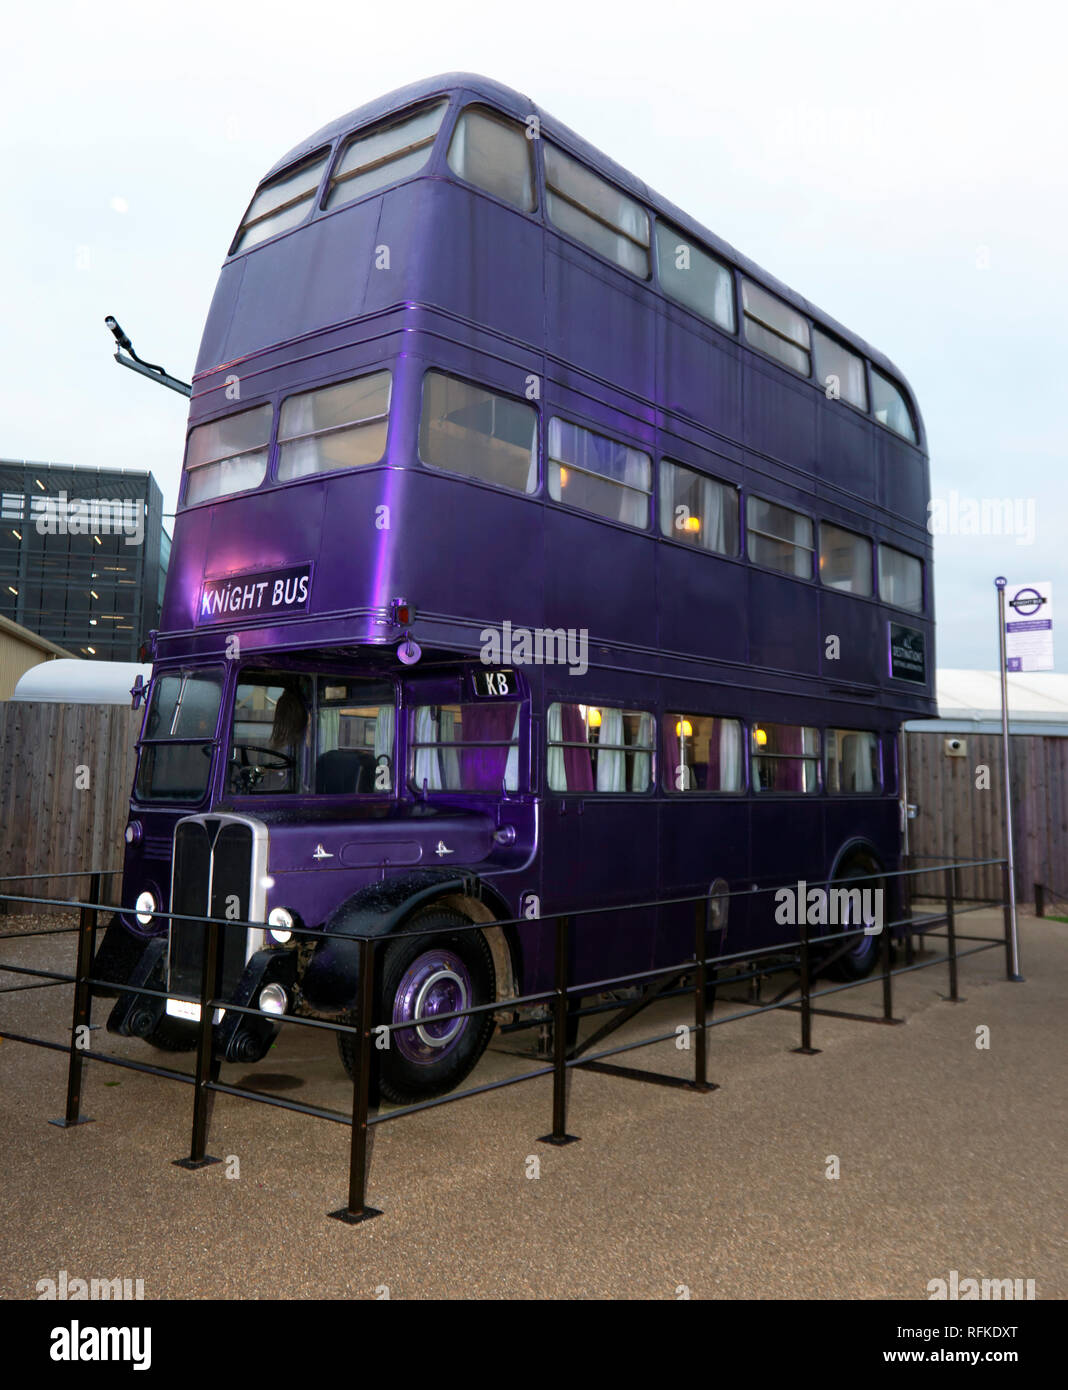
[702, 973]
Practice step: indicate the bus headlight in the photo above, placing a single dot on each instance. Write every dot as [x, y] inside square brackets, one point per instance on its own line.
[273, 999]
[280, 925]
[144, 907]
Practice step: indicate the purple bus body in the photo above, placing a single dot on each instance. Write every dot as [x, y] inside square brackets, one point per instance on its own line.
[483, 291]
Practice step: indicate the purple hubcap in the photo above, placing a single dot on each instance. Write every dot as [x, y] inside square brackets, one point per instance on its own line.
[435, 983]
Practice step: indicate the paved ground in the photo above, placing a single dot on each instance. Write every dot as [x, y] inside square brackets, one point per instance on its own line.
[951, 1157]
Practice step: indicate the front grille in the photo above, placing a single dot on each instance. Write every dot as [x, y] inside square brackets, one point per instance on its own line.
[215, 864]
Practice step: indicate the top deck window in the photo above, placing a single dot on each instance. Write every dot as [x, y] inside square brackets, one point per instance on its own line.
[494, 154]
[890, 406]
[369, 162]
[227, 455]
[596, 213]
[840, 371]
[341, 426]
[693, 277]
[280, 204]
[467, 429]
[776, 329]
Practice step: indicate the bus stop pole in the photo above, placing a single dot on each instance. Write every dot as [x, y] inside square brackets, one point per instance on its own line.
[1013, 962]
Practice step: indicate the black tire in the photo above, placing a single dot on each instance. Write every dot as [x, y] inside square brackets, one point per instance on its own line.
[400, 1078]
[860, 960]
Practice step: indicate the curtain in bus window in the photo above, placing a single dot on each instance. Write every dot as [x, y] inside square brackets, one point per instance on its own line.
[730, 756]
[673, 772]
[598, 474]
[857, 762]
[642, 762]
[494, 154]
[485, 769]
[611, 762]
[697, 509]
[569, 769]
[329, 730]
[384, 727]
[427, 760]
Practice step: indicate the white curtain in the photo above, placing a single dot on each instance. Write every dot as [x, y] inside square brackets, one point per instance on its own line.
[511, 767]
[557, 768]
[611, 762]
[427, 760]
[385, 726]
[329, 730]
[642, 772]
[856, 774]
[730, 756]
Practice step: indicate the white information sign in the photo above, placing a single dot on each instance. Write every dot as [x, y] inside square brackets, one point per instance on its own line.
[1029, 627]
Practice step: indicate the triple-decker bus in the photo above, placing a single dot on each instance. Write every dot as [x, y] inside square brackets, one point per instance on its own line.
[535, 551]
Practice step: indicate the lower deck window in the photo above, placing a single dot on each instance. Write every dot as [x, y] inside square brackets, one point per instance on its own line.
[853, 761]
[592, 748]
[702, 754]
[466, 747]
[785, 758]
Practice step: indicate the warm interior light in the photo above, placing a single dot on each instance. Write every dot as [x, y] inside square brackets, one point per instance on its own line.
[594, 718]
[693, 523]
[563, 477]
[12, 590]
[16, 534]
[760, 737]
[684, 728]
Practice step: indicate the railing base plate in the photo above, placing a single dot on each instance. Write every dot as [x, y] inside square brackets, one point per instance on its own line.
[556, 1142]
[353, 1218]
[194, 1163]
[63, 1123]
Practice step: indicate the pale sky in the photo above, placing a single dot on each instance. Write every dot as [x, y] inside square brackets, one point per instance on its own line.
[903, 166]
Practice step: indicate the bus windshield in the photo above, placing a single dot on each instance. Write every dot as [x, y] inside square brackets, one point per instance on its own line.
[178, 737]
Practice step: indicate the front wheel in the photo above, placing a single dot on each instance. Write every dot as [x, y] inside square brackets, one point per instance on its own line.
[423, 977]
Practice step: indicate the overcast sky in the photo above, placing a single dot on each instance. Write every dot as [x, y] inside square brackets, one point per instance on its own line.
[903, 166]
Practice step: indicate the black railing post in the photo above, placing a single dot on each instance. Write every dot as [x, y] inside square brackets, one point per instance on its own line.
[1040, 900]
[357, 1209]
[560, 1136]
[1006, 896]
[83, 1007]
[951, 937]
[806, 1049]
[207, 1070]
[700, 999]
[888, 976]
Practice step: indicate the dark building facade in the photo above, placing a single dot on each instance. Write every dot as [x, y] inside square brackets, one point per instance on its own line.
[83, 555]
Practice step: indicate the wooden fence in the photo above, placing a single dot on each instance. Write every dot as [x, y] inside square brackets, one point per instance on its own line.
[65, 776]
[958, 819]
[66, 771]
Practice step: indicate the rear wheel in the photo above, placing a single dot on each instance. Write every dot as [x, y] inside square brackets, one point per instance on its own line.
[423, 977]
[859, 958]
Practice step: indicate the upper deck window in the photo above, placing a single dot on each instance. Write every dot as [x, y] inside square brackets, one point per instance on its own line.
[900, 579]
[280, 204]
[779, 538]
[342, 426]
[227, 455]
[698, 510]
[596, 213]
[599, 475]
[839, 371]
[845, 560]
[890, 406]
[494, 153]
[776, 329]
[371, 161]
[470, 430]
[694, 278]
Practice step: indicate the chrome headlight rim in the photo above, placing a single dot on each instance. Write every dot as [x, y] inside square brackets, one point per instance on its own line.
[281, 924]
[145, 907]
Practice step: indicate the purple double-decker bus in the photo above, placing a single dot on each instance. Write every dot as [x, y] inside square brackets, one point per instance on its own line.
[535, 551]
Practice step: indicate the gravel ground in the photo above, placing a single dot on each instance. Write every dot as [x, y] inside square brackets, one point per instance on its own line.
[951, 1157]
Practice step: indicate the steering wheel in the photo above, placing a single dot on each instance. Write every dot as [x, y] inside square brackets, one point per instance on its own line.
[251, 774]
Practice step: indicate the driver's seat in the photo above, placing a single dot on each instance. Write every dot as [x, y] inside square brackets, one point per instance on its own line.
[344, 771]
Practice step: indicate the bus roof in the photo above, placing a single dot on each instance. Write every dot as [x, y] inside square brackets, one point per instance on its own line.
[521, 107]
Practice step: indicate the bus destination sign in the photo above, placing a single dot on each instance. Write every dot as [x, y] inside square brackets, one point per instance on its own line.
[908, 657]
[490, 683]
[269, 593]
